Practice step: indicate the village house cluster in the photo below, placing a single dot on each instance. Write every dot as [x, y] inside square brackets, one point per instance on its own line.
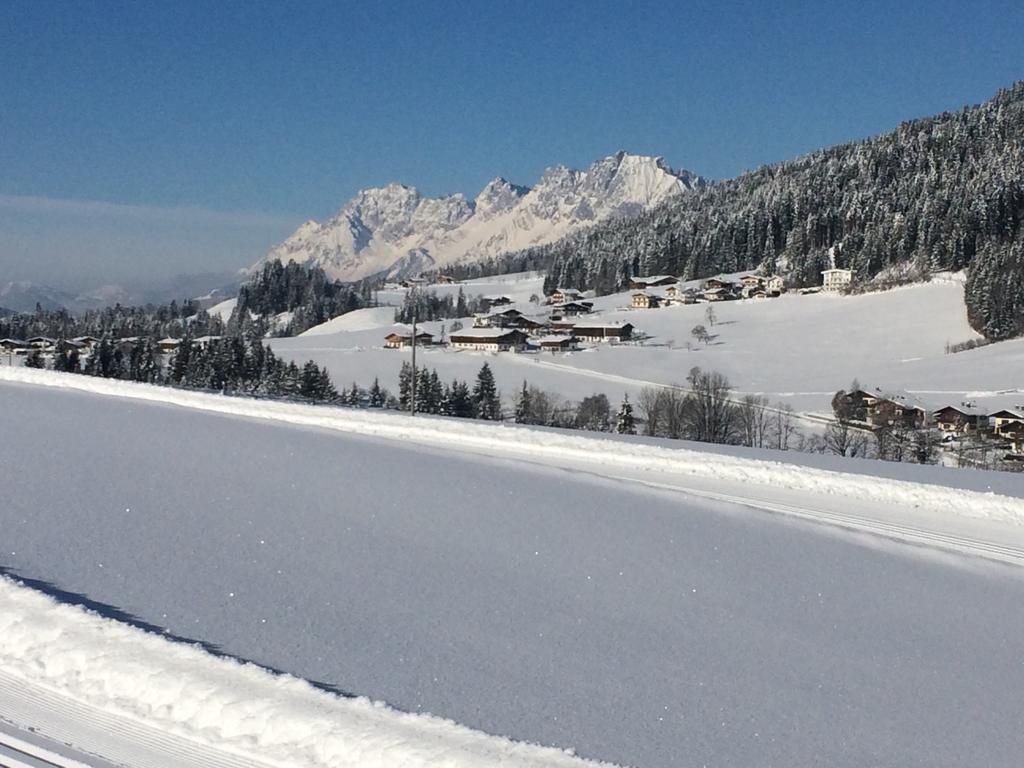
[887, 409]
[665, 290]
[504, 328]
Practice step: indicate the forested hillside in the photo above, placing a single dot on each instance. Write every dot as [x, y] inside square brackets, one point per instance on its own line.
[301, 289]
[939, 193]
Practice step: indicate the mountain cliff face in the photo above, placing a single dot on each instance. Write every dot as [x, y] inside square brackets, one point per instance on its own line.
[396, 231]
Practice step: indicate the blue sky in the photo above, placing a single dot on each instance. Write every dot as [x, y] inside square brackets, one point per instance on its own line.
[245, 118]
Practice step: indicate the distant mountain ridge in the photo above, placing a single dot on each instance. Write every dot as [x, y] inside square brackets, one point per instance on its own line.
[394, 230]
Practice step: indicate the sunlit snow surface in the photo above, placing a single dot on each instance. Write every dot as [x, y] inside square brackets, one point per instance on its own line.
[793, 349]
[635, 626]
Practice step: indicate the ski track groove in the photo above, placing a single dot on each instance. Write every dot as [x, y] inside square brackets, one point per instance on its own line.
[152, 748]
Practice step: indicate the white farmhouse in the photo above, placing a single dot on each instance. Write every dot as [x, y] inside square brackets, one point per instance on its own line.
[488, 339]
[836, 280]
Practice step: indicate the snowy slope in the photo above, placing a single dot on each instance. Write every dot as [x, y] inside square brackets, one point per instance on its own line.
[397, 230]
[640, 624]
[157, 695]
[794, 349]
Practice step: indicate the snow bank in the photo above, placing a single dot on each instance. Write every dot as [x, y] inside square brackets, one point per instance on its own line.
[225, 704]
[524, 442]
[358, 320]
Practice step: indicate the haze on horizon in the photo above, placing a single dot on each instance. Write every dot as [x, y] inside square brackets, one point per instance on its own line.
[144, 142]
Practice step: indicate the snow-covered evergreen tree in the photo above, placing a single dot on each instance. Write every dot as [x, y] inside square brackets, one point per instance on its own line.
[485, 395]
[625, 423]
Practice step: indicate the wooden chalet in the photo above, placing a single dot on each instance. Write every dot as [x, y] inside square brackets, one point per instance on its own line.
[528, 324]
[168, 345]
[959, 419]
[717, 282]
[488, 339]
[644, 300]
[87, 342]
[561, 324]
[558, 343]
[402, 337]
[562, 295]
[497, 301]
[13, 346]
[500, 319]
[654, 281]
[895, 412]
[1005, 421]
[611, 331]
[883, 408]
[775, 285]
[41, 342]
[717, 294]
[751, 281]
[570, 308]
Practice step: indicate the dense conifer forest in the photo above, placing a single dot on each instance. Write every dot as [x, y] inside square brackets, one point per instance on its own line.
[938, 193]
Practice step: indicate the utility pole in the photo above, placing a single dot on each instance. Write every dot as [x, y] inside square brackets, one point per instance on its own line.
[412, 384]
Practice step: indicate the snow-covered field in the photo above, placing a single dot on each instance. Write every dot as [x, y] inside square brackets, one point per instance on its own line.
[793, 349]
[628, 614]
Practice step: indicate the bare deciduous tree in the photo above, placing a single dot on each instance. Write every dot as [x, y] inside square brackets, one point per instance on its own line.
[783, 428]
[710, 414]
[754, 421]
[843, 440]
[709, 316]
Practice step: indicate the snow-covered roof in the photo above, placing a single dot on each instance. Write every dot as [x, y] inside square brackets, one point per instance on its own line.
[483, 333]
[964, 408]
[1007, 413]
[555, 339]
[652, 278]
[169, 340]
[405, 332]
[901, 397]
[14, 342]
[606, 324]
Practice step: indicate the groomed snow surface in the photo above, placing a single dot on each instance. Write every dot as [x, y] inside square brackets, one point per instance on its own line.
[470, 575]
[224, 704]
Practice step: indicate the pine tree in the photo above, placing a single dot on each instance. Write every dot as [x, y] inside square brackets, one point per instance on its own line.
[405, 386]
[523, 405]
[461, 401]
[377, 396]
[485, 395]
[625, 424]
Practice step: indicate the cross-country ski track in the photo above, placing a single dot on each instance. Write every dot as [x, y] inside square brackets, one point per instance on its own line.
[640, 603]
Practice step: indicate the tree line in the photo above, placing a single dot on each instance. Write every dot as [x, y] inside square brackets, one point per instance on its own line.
[230, 365]
[427, 305]
[302, 290]
[153, 321]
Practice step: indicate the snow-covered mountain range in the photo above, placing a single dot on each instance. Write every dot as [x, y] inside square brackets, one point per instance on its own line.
[397, 231]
